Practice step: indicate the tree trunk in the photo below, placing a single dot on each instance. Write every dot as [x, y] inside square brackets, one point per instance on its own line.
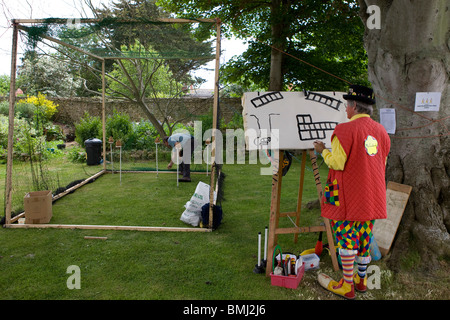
[152, 119]
[278, 7]
[409, 53]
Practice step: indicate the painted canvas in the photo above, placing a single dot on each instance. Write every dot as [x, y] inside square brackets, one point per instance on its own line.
[291, 120]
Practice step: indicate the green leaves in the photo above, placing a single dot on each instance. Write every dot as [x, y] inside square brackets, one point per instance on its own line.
[325, 34]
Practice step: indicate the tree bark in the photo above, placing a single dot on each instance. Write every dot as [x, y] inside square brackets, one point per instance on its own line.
[410, 53]
[278, 7]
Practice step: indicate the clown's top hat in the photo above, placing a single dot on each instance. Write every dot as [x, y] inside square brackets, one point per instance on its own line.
[360, 93]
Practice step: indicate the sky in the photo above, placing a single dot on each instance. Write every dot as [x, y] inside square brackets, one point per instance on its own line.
[36, 9]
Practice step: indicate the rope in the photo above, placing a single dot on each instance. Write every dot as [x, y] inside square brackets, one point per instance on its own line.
[292, 221]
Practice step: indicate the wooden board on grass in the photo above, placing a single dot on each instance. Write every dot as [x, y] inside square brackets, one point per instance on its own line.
[384, 231]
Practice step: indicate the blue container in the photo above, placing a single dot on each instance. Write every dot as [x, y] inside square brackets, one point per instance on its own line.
[374, 250]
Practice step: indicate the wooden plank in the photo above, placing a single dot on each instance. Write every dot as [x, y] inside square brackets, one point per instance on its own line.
[17, 217]
[297, 230]
[300, 193]
[104, 227]
[93, 20]
[95, 238]
[62, 194]
[288, 214]
[384, 231]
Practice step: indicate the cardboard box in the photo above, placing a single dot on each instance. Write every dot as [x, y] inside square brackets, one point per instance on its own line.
[38, 207]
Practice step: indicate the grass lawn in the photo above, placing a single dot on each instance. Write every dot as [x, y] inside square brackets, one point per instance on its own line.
[176, 265]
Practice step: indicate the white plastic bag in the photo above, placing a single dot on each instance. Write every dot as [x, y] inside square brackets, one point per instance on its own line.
[193, 212]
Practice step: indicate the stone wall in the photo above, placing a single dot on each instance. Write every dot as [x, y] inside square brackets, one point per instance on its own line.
[70, 110]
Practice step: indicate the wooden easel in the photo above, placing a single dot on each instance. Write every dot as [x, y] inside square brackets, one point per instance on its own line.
[275, 213]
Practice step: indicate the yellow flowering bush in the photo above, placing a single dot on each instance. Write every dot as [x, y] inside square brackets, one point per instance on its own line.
[47, 107]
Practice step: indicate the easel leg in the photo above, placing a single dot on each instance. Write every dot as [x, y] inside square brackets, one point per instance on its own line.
[330, 237]
[277, 177]
[300, 194]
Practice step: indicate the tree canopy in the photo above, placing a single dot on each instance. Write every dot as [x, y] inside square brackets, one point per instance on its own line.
[144, 57]
[325, 34]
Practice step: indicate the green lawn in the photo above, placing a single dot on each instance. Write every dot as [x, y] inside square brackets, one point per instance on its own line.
[174, 265]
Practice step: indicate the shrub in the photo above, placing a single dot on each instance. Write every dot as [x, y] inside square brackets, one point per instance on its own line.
[4, 108]
[143, 135]
[44, 107]
[77, 154]
[4, 124]
[119, 127]
[24, 110]
[88, 127]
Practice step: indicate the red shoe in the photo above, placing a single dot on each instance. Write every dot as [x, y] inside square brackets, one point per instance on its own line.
[360, 284]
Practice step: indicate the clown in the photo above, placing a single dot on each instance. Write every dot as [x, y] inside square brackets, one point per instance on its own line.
[356, 188]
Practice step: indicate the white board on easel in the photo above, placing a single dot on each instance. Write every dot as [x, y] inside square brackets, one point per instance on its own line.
[291, 120]
[384, 230]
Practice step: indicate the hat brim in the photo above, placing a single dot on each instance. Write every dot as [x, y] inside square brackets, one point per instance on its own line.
[358, 98]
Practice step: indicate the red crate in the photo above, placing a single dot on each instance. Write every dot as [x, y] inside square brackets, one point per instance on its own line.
[290, 282]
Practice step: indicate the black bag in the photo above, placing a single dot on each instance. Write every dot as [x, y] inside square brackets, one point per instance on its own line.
[217, 215]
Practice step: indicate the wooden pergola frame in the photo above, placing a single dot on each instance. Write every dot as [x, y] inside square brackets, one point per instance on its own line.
[18, 24]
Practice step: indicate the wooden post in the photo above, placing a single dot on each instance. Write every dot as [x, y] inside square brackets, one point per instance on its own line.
[12, 101]
[104, 115]
[215, 127]
[277, 178]
[300, 193]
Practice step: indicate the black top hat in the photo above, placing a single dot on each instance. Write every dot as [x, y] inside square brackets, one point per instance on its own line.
[360, 93]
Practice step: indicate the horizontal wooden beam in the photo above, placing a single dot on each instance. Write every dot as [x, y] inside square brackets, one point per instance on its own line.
[299, 230]
[62, 194]
[89, 20]
[288, 214]
[104, 227]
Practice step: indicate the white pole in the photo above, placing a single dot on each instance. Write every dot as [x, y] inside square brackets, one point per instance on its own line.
[259, 249]
[207, 155]
[207, 158]
[177, 171]
[177, 148]
[156, 143]
[112, 157]
[120, 159]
